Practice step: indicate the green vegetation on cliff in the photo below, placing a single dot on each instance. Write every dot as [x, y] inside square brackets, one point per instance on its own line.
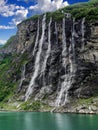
[6, 86]
[89, 10]
[9, 41]
[10, 72]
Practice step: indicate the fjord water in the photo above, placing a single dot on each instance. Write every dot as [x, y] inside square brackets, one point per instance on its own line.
[47, 121]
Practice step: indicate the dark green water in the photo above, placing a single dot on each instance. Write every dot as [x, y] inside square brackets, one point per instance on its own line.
[47, 121]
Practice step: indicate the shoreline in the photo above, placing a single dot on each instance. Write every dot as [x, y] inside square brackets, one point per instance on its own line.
[46, 111]
[82, 106]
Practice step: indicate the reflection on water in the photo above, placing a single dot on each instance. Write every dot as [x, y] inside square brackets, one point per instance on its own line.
[47, 121]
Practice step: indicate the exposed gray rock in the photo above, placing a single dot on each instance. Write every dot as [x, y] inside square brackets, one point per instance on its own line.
[69, 53]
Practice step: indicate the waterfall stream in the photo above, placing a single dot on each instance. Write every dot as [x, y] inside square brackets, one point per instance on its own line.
[47, 52]
[56, 32]
[83, 32]
[37, 37]
[49, 48]
[62, 97]
[22, 77]
[64, 60]
[37, 61]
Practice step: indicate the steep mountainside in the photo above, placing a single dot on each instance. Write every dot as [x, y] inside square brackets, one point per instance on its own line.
[52, 62]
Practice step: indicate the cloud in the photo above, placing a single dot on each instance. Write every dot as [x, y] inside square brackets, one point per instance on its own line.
[18, 13]
[19, 16]
[7, 10]
[6, 27]
[2, 42]
[27, 1]
[47, 5]
[2, 2]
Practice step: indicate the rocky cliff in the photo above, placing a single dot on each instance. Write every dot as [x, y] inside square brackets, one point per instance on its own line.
[56, 60]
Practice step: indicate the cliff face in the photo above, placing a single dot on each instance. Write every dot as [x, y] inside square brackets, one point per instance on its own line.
[62, 60]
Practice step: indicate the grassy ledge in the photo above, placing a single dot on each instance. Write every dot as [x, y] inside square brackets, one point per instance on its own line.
[89, 10]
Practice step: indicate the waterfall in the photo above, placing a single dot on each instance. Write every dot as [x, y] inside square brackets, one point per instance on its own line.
[72, 61]
[49, 48]
[64, 60]
[72, 48]
[37, 37]
[56, 32]
[83, 32]
[62, 97]
[37, 62]
[73, 40]
[47, 52]
[22, 77]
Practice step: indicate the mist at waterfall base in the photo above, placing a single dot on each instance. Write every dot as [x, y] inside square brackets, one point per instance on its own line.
[47, 121]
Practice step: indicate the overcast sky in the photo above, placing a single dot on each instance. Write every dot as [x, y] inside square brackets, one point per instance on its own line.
[12, 12]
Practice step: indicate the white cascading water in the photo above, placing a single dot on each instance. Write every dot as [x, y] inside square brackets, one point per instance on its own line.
[22, 76]
[72, 48]
[73, 40]
[83, 32]
[47, 52]
[56, 33]
[64, 52]
[49, 48]
[62, 97]
[37, 61]
[37, 37]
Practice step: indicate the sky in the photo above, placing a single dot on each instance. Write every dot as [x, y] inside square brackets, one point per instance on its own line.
[12, 12]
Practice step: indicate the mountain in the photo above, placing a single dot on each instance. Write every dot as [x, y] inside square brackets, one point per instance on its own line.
[51, 64]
